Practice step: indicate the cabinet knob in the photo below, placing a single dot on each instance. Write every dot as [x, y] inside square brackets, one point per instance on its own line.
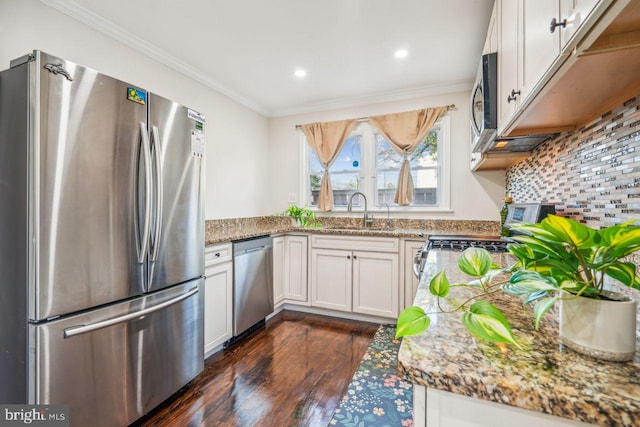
[349, 257]
[217, 255]
[355, 257]
[513, 95]
[554, 23]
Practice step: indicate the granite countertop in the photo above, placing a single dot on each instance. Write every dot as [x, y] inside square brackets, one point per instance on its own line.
[545, 376]
[245, 233]
[228, 230]
[260, 231]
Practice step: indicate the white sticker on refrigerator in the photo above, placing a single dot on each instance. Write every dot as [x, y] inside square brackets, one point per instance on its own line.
[197, 144]
[194, 115]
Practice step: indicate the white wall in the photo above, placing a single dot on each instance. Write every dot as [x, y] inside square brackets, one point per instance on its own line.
[473, 195]
[237, 144]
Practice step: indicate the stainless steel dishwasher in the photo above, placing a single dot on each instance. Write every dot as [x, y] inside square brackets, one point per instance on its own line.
[252, 283]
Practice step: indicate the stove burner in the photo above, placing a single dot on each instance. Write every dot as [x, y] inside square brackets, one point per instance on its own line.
[460, 243]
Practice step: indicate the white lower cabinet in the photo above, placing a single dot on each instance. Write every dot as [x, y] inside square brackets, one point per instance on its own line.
[331, 272]
[446, 409]
[290, 281]
[355, 281]
[295, 263]
[375, 283]
[218, 297]
[278, 269]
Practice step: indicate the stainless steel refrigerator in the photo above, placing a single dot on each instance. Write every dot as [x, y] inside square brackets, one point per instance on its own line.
[101, 242]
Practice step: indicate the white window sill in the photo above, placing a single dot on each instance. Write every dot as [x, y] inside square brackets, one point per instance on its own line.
[357, 211]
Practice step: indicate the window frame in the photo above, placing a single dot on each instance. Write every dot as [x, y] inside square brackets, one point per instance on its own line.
[368, 172]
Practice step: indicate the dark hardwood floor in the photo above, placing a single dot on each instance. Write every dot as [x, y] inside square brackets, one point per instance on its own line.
[293, 372]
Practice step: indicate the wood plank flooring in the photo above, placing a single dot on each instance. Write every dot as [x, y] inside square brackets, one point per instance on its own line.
[293, 372]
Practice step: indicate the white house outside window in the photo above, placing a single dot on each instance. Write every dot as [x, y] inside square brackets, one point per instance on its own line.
[367, 163]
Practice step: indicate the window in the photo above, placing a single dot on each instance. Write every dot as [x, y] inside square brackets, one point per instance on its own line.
[345, 172]
[368, 163]
[424, 170]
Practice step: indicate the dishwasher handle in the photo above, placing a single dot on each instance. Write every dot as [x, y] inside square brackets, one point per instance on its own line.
[259, 248]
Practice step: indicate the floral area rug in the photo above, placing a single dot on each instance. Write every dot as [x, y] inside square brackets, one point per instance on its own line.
[376, 395]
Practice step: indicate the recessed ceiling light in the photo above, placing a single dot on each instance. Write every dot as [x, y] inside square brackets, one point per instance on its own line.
[401, 53]
[300, 73]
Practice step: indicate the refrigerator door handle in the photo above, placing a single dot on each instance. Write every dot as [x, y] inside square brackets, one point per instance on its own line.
[146, 229]
[83, 329]
[157, 148]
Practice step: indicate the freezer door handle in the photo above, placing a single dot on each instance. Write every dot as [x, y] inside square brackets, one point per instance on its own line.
[146, 229]
[157, 148]
[83, 329]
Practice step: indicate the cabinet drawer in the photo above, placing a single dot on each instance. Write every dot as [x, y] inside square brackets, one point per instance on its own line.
[217, 254]
[356, 243]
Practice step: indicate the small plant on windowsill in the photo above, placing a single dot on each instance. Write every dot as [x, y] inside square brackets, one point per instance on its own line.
[303, 216]
[558, 260]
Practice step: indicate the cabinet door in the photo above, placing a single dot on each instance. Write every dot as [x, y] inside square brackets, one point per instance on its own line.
[411, 282]
[295, 283]
[491, 42]
[539, 47]
[331, 279]
[575, 12]
[218, 288]
[507, 59]
[376, 283]
[278, 269]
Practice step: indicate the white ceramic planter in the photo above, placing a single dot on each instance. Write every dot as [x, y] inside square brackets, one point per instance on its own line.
[603, 329]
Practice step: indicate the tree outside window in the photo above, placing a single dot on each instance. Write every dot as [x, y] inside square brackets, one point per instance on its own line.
[424, 170]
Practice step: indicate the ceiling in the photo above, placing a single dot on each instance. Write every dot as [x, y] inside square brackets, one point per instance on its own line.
[249, 49]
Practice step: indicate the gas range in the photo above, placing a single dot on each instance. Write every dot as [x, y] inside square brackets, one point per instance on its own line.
[518, 213]
[457, 243]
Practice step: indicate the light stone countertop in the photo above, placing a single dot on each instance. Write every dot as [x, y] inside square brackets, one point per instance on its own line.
[545, 377]
[228, 230]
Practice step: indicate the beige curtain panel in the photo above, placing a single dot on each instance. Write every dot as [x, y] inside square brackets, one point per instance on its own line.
[405, 131]
[326, 139]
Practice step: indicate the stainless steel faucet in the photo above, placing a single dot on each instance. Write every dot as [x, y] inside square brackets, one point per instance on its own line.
[368, 220]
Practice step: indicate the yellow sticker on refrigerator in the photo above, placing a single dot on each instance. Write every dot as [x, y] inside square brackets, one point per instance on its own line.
[197, 144]
[136, 95]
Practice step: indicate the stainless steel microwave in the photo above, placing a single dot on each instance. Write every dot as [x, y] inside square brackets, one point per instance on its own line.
[484, 103]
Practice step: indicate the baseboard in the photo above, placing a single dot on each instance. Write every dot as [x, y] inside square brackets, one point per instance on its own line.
[340, 314]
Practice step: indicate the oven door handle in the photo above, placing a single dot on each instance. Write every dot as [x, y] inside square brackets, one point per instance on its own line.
[416, 264]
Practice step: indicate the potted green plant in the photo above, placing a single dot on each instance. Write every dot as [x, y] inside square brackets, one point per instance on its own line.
[304, 216]
[558, 260]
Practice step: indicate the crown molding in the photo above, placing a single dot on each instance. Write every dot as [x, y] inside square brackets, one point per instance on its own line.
[389, 96]
[118, 33]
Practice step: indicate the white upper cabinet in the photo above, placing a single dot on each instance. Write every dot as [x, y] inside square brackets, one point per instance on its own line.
[491, 42]
[528, 50]
[576, 12]
[539, 42]
[507, 60]
[538, 45]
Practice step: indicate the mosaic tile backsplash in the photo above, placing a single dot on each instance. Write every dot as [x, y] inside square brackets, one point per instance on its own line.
[592, 175]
